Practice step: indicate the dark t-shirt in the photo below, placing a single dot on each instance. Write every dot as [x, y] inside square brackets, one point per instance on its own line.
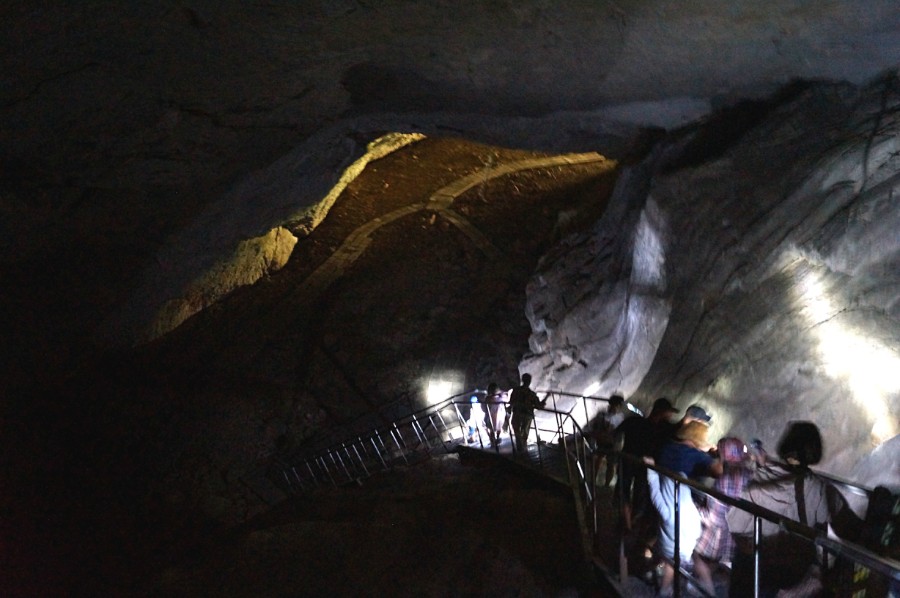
[668, 430]
[684, 459]
[523, 400]
[638, 436]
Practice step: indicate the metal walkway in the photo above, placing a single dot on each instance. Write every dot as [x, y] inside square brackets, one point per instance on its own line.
[559, 449]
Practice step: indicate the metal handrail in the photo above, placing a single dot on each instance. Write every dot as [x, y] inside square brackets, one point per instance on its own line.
[321, 462]
[357, 456]
[442, 424]
[884, 566]
[581, 468]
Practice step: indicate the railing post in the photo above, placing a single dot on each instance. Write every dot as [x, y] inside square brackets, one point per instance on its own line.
[757, 536]
[395, 434]
[435, 428]
[312, 474]
[361, 460]
[443, 427]
[323, 464]
[420, 434]
[383, 450]
[463, 431]
[299, 479]
[620, 494]
[340, 460]
[676, 580]
[364, 448]
[377, 450]
[594, 505]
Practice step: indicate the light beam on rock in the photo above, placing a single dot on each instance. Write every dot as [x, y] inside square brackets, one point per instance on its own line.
[870, 369]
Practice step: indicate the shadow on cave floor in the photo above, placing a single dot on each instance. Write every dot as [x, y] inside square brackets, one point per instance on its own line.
[449, 526]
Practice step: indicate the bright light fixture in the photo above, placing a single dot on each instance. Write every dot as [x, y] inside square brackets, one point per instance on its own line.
[438, 390]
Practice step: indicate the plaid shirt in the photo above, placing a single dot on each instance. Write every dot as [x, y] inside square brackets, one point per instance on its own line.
[715, 541]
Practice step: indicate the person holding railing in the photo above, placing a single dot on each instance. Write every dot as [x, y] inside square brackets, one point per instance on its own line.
[639, 437]
[522, 402]
[687, 456]
[789, 564]
[715, 544]
[602, 434]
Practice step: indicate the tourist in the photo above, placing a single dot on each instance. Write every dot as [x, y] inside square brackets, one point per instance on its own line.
[603, 435]
[522, 403]
[715, 544]
[687, 456]
[639, 437]
[694, 413]
[790, 489]
[490, 405]
[466, 413]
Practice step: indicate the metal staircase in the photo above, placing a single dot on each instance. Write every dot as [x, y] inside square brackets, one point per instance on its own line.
[557, 447]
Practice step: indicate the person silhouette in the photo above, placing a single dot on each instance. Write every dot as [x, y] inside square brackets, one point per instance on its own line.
[490, 405]
[522, 402]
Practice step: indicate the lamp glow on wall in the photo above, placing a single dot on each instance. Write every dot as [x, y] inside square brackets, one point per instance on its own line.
[870, 369]
[438, 389]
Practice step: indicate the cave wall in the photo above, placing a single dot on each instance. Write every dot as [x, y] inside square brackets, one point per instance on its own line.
[754, 271]
[146, 146]
[155, 156]
[126, 124]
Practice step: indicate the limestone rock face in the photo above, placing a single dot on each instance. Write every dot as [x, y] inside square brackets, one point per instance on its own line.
[250, 261]
[223, 248]
[756, 272]
[156, 158]
[129, 127]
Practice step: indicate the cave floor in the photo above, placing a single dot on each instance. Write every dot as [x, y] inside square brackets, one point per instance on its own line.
[451, 526]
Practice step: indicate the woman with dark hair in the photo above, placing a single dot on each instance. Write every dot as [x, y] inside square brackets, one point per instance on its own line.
[790, 489]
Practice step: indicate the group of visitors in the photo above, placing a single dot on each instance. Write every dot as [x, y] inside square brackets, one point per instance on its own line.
[519, 405]
[710, 531]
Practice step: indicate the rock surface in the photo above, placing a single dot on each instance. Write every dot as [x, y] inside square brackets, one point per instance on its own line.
[755, 271]
[127, 124]
[156, 158]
